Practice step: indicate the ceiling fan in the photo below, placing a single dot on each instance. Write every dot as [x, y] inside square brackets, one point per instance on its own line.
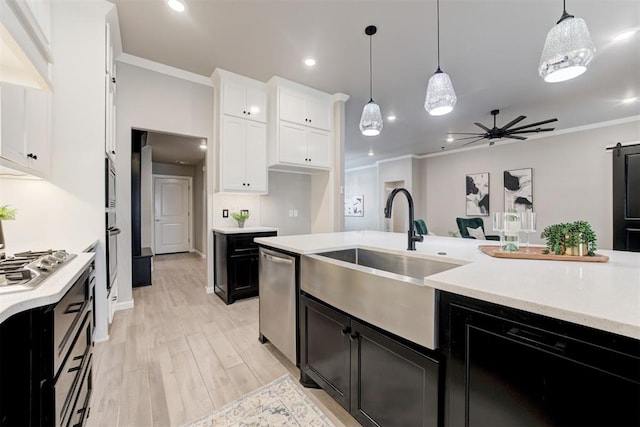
[506, 131]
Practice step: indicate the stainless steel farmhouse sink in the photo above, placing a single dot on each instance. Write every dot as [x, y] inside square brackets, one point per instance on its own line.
[384, 289]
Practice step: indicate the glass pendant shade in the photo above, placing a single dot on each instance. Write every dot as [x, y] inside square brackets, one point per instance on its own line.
[441, 98]
[371, 120]
[567, 51]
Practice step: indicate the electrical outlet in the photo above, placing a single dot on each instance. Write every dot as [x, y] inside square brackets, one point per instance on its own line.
[225, 213]
[244, 212]
[290, 213]
[295, 212]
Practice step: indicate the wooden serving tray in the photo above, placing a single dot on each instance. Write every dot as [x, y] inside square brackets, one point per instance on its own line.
[536, 253]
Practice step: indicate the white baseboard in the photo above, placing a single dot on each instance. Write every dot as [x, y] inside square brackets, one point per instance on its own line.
[210, 290]
[124, 305]
[99, 340]
[199, 253]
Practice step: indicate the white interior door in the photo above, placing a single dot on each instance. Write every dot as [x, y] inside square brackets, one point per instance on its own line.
[172, 207]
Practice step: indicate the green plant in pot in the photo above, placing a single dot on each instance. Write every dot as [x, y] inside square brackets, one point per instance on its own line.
[5, 214]
[573, 238]
[240, 217]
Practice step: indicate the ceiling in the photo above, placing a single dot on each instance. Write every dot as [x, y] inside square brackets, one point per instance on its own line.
[167, 148]
[490, 49]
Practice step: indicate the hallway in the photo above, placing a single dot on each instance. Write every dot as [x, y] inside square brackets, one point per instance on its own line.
[180, 354]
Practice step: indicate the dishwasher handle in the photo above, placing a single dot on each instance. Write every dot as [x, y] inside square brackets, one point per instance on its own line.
[277, 260]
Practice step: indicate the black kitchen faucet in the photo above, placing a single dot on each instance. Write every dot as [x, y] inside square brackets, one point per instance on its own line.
[412, 237]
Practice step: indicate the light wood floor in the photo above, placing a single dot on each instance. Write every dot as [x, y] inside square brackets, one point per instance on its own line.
[181, 353]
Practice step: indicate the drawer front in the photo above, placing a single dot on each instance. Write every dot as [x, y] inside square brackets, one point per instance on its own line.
[80, 411]
[67, 315]
[243, 243]
[67, 381]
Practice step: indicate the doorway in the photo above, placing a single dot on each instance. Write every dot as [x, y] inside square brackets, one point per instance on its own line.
[397, 223]
[173, 206]
[626, 198]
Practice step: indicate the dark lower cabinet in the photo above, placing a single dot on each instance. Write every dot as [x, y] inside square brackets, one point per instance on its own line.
[378, 379]
[236, 265]
[506, 367]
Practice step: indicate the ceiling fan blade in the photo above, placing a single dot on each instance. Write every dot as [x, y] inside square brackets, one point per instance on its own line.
[479, 139]
[513, 122]
[544, 122]
[480, 125]
[521, 138]
[470, 137]
[465, 133]
[533, 130]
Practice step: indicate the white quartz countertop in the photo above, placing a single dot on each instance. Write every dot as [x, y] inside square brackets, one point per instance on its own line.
[48, 292]
[604, 296]
[238, 230]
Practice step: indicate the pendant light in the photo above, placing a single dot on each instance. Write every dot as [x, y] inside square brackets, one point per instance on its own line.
[371, 120]
[568, 49]
[441, 98]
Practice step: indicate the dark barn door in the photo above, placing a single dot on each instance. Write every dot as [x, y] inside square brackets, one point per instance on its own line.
[626, 198]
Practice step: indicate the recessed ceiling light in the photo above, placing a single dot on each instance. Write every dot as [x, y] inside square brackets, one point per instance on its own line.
[370, 153]
[254, 109]
[630, 100]
[309, 61]
[203, 146]
[391, 118]
[176, 5]
[625, 34]
[182, 162]
[449, 138]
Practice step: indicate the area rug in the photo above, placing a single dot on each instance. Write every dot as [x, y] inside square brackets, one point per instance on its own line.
[280, 403]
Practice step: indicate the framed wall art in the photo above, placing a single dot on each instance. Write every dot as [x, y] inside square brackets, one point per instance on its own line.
[354, 206]
[518, 190]
[478, 194]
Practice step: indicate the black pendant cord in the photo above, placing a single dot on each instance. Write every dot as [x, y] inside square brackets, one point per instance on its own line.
[438, 27]
[370, 72]
[565, 14]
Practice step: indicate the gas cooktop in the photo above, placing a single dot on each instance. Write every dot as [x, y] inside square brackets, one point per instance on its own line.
[26, 270]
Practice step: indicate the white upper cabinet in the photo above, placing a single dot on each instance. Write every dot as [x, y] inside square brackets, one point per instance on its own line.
[25, 53]
[246, 101]
[301, 126]
[25, 129]
[240, 114]
[306, 109]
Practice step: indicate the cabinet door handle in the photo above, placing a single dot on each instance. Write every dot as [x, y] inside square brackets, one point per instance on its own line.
[248, 184]
[354, 336]
[71, 307]
[113, 152]
[244, 111]
[32, 156]
[537, 340]
[345, 331]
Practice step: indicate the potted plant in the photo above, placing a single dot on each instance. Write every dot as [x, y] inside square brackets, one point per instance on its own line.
[5, 213]
[240, 217]
[573, 238]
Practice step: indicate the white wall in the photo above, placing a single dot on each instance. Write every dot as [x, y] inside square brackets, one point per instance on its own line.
[363, 181]
[67, 212]
[571, 179]
[287, 191]
[155, 101]
[400, 169]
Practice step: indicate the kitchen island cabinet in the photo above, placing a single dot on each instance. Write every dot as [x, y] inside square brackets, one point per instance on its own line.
[380, 379]
[510, 367]
[519, 342]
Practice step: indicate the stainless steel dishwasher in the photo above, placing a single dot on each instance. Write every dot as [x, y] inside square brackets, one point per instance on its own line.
[278, 301]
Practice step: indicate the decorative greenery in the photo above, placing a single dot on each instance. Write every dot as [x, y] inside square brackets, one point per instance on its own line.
[240, 216]
[567, 235]
[6, 213]
[453, 234]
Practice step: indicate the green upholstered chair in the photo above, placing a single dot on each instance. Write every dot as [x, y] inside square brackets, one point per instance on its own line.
[421, 227]
[464, 223]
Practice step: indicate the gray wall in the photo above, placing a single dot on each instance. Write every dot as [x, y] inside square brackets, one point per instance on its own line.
[199, 212]
[571, 179]
[171, 169]
[287, 191]
[363, 182]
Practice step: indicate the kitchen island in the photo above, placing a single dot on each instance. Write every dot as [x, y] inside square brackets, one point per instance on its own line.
[576, 325]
